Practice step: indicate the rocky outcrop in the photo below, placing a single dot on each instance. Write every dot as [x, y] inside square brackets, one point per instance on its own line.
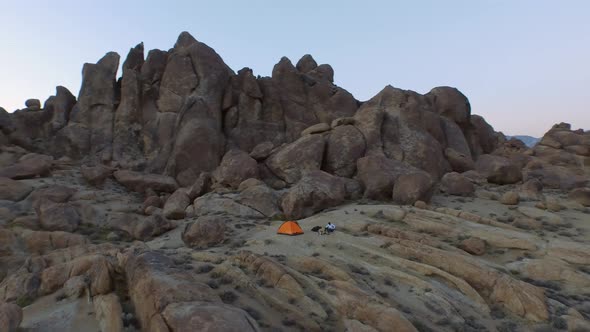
[451, 103]
[59, 106]
[58, 216]
[497, 169]
[216, 204]
[510, 198]
[560, 158]
[580, 195]
[456, 184]
[402, 125]
[262, 150]
[170, 104]
[108, 312]
[127, 123]
[378, 174]
[176, 204]
[260, 198]
[514, 295]
[90, 128]
[140, 182]
[205, 232]
[316, 191]
[236, 166]
[208, 317]
[316, 129]
[12, 190]
[474, 246]
[555, 177]
[200, 186]
[459, 162]
[167, 299]
[345, 145]
[235, 152]
[96, 175]
[11, 316]
[28, 166]
[139, 227]
[42, 242]
[305, 154]
[409, 188]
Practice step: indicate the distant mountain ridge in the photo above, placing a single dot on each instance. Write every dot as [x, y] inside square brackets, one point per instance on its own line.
[530, 141]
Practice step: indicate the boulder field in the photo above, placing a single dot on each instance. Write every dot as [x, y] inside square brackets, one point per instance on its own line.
[151, 202]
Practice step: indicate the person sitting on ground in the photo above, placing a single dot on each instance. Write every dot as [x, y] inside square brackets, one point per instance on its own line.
[330, 227]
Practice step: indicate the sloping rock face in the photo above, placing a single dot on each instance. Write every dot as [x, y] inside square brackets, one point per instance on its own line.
[170, 299]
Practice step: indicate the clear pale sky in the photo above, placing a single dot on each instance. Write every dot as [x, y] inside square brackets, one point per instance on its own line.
[524, 65]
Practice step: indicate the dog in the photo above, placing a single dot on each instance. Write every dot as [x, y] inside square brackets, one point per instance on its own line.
[319, 229]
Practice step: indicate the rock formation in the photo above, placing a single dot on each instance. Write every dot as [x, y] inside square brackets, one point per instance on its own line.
[157, 196]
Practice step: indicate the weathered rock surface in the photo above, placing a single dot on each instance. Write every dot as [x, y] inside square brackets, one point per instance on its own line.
[345, 145]
[29, 166]
[215, 204]
[498, 169]
[305, 154]
[247, 150]
[474, 246]
[13, 190]
[139, 227]
[109, 312]
[176, 204]
[316, 191]
[208, 317]
[52, 193]
[459, 161]
[96, 175]
[262, 150]
[316, 129]
[236, 166]
[510, 198]
[200, 187]
[58, 216]
[378, 174]
[140, 182]
[456, 184]
[75, 287]
[205, 232]
[580, 195]
[42, 242]
[531, 189]
[166, 298]
[11, 316]
[260, 198]
[409, 188]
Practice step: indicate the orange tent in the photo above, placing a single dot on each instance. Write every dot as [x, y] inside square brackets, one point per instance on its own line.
[290, 228]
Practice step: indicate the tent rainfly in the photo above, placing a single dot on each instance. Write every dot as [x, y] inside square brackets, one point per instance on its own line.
[290, 228]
